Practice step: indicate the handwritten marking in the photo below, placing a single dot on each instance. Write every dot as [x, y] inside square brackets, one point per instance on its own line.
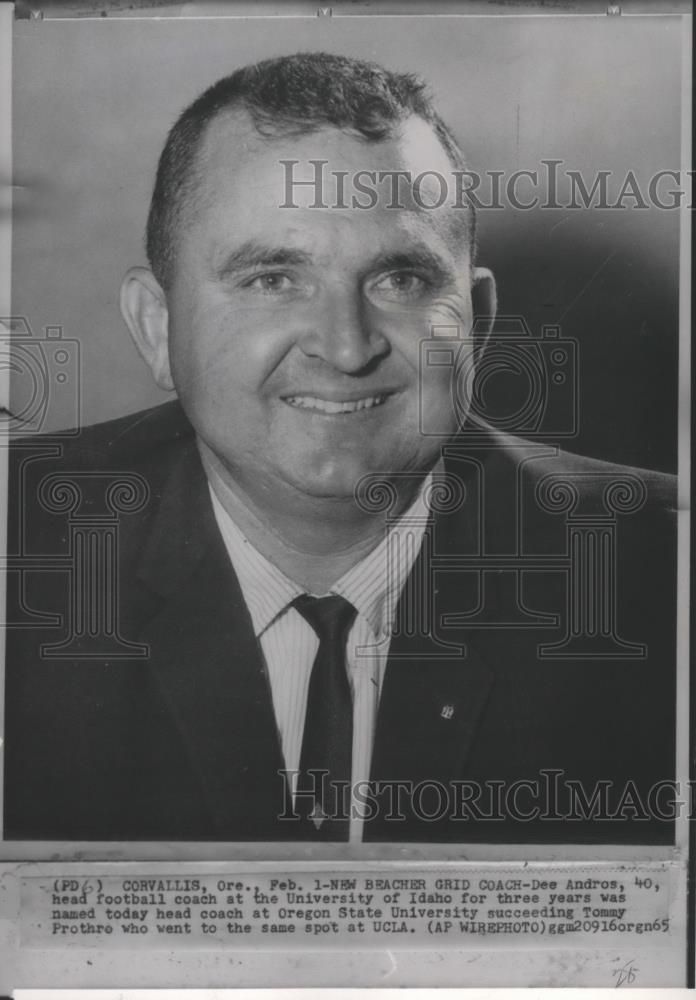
[626, 975]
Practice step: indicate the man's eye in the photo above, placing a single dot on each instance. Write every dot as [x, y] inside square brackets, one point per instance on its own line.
[401, 284]
[270, 283]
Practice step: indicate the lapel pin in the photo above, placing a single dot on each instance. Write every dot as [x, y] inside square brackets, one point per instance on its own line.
[447, 711]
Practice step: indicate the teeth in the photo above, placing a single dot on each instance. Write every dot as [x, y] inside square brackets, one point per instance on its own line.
[328, 406]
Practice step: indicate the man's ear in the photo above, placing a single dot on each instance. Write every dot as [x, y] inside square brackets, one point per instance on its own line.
[144, 308]
[484, 298]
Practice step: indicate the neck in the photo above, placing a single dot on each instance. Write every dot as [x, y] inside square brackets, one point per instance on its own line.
[313, 543]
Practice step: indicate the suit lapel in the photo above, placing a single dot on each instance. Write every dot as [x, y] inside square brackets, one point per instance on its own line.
[205, 661]
[432, 699]
[436, 684]
[432, 705]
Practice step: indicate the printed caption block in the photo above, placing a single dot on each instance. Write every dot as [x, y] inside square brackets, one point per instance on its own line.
[479, 906]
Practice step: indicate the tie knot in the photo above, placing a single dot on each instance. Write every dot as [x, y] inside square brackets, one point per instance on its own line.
[330, 617]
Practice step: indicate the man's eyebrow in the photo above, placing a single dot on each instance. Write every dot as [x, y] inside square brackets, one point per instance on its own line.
[413, 257]
[254, 254]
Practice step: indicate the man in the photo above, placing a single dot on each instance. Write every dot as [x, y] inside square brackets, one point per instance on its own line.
[334, 608]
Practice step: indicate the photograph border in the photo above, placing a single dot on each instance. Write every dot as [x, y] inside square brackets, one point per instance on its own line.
[28, 859]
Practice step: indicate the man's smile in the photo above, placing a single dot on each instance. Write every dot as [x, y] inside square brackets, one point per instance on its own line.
[333, 407]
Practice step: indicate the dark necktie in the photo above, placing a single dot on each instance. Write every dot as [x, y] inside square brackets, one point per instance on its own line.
[327, 740]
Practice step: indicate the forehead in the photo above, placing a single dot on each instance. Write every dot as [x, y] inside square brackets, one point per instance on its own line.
[255, 182]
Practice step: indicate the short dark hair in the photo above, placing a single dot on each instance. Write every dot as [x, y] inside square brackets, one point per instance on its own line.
[290, 94]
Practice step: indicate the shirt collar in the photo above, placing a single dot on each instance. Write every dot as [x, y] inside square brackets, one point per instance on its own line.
[372, 586]
[267, 590]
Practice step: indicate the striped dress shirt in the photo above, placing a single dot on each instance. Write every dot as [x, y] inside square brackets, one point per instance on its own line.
[289, 644]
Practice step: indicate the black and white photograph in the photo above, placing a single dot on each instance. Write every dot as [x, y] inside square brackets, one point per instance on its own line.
[345, 435]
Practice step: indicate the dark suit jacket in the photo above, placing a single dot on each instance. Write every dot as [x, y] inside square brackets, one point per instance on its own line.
[103, 742]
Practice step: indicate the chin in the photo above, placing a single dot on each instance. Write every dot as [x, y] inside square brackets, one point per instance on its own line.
[330, 487]
[332, 480]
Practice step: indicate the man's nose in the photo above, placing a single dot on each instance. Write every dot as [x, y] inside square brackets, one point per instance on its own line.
[344, 334]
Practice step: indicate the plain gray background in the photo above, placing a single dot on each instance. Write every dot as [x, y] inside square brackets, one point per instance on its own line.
[93, 100]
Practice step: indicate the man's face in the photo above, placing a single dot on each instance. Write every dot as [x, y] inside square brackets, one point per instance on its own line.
[294, 333]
